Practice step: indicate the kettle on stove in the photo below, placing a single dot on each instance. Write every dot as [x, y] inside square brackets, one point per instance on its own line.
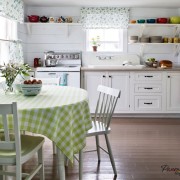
[63, 79]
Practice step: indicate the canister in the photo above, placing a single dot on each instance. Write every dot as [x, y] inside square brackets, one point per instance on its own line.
[165, 40]
[170, 40]
[176, 40]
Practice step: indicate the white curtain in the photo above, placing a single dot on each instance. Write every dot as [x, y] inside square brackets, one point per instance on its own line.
[16, 52]
[12, 9]
[12, 12]
[104, 17]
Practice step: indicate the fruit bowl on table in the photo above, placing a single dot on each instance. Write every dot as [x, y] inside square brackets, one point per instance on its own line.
[31, 88]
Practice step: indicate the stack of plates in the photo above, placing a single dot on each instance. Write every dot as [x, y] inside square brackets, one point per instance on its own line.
[133, 39]
[156, 39]
[144, 39]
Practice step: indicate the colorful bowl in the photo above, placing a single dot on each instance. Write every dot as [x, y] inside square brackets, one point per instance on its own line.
[162, 20]
[141, 21]
[174, 20]
[151, 20]
[31, 89]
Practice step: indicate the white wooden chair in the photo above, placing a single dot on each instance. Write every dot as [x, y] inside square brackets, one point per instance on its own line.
[101, 123]
[16, 149]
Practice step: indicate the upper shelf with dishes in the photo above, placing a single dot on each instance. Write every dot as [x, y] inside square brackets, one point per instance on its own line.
[35, 20]
[143, 24]
[150, 33]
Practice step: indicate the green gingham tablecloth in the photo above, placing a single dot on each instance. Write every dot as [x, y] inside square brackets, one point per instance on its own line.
[60, 113]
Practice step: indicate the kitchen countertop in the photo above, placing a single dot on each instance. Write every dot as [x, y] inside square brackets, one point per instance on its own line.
[108, 68]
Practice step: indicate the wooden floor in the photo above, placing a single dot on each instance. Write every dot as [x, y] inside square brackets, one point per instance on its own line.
[140, 147]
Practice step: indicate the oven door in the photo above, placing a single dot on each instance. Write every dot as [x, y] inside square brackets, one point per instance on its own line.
[64, 78]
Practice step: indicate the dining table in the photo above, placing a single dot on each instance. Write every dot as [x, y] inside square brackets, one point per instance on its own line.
[61, 113]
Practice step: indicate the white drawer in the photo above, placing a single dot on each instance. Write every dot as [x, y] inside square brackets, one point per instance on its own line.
[148, 76]
[147, 88]
[147, 103]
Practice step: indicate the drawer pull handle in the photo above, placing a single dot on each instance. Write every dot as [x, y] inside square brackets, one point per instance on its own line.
[148, 76]
[148, 88]
[148, 103]
[51, 73]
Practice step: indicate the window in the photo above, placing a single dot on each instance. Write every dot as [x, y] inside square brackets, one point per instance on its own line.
[111, 40]
[8, 32]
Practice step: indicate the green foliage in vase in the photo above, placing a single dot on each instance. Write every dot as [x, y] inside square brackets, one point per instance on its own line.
[11, 70]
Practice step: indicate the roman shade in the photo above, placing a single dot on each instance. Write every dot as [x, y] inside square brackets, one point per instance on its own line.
[104, 17]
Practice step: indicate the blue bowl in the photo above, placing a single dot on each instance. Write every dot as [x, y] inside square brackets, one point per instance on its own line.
[151, 20]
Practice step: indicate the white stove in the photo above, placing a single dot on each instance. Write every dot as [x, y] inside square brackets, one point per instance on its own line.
[66, 70]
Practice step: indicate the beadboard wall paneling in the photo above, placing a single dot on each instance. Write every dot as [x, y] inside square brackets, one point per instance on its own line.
[140, 13]
[56, 34]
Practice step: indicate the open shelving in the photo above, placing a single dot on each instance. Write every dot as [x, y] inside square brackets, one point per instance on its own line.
[66, 25]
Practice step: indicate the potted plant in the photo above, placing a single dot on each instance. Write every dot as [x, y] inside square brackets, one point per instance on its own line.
[95, 43]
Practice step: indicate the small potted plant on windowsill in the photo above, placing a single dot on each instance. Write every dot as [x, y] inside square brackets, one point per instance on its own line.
[95, 43]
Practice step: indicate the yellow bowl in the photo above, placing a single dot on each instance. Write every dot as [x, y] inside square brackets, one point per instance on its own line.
[174, 20]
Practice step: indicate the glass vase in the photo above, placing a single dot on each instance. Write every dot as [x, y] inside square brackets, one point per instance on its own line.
[9, 89]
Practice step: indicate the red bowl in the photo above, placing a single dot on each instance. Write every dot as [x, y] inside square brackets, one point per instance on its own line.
[162, 20]
[33, 18]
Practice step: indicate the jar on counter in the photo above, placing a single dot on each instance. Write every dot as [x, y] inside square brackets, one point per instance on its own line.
[37, 62]
[165, 40]
[170, 40]
[176, 40]
[155, 64]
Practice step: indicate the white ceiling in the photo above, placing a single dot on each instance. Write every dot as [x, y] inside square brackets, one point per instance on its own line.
[103, 3]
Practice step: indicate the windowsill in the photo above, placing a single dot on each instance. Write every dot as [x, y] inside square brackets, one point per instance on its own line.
[102, 52]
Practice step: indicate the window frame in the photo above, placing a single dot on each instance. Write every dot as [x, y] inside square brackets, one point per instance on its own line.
[123, 43]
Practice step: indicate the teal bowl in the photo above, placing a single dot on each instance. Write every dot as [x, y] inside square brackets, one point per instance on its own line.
[141, 21]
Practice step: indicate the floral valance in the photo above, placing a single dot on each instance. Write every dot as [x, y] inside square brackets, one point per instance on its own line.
[104, 17]
[13, 9]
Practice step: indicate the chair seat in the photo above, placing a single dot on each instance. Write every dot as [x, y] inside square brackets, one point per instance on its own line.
[29, 145]
[98, 128]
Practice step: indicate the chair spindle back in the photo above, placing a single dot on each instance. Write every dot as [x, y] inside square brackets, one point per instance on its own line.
[106, 104]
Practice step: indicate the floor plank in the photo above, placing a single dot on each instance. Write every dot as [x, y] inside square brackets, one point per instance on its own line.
[140, 148]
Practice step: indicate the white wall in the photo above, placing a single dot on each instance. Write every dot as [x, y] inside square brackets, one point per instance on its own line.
[72, 38]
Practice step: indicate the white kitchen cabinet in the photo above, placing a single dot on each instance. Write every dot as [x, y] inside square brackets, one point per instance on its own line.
[173, 92]
[146, 92]
[118, 80]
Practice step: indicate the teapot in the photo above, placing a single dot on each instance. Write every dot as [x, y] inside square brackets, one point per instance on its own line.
[44, 19]
[33, 18]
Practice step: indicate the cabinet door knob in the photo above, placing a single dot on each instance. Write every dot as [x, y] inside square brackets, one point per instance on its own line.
[104, 76]
[169, 76]
[110, 76]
